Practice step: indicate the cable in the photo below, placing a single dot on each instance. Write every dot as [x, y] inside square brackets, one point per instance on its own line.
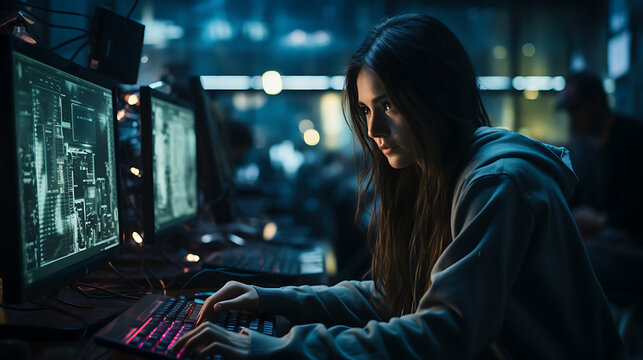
[109, 263]
[68, 42]
[158, 278]
[53, 25]
[53, 308]
[168, 258]
[79, 290]
[79, 49]
[53, 11]
[142, 267]
[163, 286]
[132, 9]
[82, 306]
[128, 295]
[85, 328]
[109, 291]
[192, 278]
[221, 270]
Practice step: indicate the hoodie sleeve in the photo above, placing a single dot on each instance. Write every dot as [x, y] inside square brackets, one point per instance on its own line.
[462, 312]
[349, 303]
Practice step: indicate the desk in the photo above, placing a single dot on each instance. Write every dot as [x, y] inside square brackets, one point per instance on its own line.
[150, 269]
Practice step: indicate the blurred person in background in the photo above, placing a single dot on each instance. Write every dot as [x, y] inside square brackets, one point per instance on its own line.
[476, 254]
[241, 142]
[607, 155]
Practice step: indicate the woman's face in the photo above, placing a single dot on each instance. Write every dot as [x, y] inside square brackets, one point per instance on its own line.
[386, 126]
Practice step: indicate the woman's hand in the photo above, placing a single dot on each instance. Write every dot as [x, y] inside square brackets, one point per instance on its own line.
[208, 339]
[232, 296]
[590, 222]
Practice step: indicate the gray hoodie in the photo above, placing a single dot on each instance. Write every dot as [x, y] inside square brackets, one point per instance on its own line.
[515, 282]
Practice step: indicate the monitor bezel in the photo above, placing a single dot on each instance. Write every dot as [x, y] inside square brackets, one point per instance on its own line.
[151, 236]
[11, 260]
[216, 180]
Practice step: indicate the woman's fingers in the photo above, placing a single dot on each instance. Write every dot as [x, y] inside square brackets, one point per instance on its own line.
[203, 335]
[210, 339]
[228, 291]
[219, 348]
[185, 337]
[232, 296]
[234, 304]
[200, 339]
[243, 303]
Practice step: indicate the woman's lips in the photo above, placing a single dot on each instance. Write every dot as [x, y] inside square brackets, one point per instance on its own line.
[387, 148]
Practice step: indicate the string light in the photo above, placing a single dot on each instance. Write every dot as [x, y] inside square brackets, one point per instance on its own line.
[311, 137]
[137, 237]
[192, 258]
[120, 115]
[271, 81]
[269, 231]
[131, 99]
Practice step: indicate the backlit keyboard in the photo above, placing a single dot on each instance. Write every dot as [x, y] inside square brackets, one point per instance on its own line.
[162, 320]
[271, 259]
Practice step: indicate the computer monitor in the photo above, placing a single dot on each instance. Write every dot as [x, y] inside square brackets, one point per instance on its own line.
[168, 143]
[60, 212]
[216, 176]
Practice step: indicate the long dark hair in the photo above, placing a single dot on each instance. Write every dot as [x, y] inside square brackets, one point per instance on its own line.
[430, 80]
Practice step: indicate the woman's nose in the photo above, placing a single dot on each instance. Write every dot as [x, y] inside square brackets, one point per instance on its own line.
[377, 125]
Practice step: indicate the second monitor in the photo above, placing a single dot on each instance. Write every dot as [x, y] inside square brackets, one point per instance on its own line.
[169, 163]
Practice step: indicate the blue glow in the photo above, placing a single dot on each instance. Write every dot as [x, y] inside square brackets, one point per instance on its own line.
[305, 82]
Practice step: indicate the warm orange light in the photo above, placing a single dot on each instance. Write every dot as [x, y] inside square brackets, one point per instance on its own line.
[120, 115]
[269, 231]
[135, 171]
[531, 94]
[27, 38]
[27, 19]
[137, 238]
[131, 99]
[311, 137]
[331, 263]
[192, 258]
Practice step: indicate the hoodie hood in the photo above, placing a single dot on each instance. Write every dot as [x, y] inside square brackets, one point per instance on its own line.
[489, 145]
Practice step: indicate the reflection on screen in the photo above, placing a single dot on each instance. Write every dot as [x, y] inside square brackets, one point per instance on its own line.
[66, 167]
[174, 163]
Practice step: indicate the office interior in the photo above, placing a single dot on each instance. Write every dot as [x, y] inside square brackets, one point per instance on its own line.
[279, 166]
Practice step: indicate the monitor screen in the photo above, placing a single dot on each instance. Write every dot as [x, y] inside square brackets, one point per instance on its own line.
[66, 168]
[173, 163]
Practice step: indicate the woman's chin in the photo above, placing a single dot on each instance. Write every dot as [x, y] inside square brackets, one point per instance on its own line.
[397, 163]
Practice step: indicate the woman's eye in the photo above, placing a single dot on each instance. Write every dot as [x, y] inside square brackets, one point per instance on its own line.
[364, 110]
[388, 106]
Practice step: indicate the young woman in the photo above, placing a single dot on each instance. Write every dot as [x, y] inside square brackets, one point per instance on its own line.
[476, 254]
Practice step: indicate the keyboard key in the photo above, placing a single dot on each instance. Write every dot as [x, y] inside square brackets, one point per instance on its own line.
[164, 327]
